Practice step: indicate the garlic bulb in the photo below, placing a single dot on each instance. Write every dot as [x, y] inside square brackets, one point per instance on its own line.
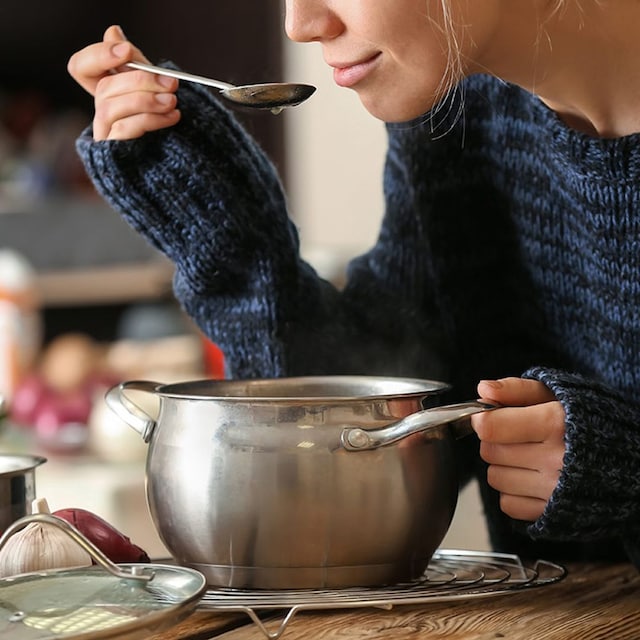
[40, 546]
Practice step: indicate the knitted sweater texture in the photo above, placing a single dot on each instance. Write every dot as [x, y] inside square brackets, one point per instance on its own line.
[510, 246]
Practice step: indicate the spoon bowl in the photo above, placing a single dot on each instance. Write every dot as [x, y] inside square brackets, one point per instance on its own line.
[267, 95]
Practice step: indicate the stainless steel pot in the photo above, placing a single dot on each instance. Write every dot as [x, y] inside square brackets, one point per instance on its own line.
[17, 486]
[299, 482]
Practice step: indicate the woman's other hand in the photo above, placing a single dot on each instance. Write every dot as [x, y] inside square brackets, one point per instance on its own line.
[522, 442]
[128, 103]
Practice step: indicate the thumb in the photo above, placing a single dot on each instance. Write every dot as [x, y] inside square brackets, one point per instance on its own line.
[514, 392]
[122, 48]
[114, 34]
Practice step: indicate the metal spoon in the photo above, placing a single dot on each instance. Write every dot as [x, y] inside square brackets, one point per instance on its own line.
[269, 95]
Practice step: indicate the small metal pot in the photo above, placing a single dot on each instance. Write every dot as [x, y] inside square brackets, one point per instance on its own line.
[312, 482]
[17, 486]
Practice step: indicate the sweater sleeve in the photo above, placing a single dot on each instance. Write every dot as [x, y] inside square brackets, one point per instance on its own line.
[206, 195]
[598, 493]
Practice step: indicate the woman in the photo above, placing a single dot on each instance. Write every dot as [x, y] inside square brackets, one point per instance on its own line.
[508, 253]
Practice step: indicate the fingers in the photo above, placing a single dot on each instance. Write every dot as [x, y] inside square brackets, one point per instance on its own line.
[522, 507]
[525, 471]
[128, 103]
[525, 483]
[132, 103]
[133, 126]
[525, 487]
[536, 423]
[544, 457]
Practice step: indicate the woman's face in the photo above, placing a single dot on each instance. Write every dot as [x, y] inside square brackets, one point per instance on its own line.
[393, 53]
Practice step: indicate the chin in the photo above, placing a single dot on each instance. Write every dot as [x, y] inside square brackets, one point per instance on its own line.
[395, 109]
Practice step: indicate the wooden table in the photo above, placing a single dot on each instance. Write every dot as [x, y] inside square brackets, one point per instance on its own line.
[593, 602]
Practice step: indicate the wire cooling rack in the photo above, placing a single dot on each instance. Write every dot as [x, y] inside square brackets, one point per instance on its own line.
[451, 575]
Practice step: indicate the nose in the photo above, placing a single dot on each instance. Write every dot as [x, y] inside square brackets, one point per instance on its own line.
[311, 20]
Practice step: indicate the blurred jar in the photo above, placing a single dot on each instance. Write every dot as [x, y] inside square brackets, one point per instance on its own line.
[20, 321]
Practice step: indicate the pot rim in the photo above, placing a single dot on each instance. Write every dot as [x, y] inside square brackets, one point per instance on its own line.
[307, 389]
[13, 464]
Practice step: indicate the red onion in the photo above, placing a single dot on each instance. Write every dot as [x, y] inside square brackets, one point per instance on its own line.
[115, 545]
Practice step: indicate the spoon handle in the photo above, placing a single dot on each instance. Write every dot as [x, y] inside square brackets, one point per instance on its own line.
[181, 75]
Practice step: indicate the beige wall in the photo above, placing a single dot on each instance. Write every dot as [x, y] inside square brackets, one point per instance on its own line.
[336, 153]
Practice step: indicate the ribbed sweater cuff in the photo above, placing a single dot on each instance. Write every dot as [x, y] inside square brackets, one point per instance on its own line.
[598, 493]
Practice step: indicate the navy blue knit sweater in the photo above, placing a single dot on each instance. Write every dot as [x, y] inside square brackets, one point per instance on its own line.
[510, 246]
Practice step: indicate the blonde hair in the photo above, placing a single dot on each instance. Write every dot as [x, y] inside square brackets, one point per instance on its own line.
[449, 86]
[445, 93]
[455, 67]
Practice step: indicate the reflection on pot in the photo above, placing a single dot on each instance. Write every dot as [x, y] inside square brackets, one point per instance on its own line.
[17, 486]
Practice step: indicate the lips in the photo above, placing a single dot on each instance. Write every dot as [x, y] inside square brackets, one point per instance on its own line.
[350, 74]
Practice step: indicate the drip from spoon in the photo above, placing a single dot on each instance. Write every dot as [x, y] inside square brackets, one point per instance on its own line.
[268, 95]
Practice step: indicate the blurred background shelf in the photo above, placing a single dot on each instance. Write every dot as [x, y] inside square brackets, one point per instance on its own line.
[106, 285]
[84, 254]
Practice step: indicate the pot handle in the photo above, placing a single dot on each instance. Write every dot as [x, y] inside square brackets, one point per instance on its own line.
[129, 411]
[427, 422]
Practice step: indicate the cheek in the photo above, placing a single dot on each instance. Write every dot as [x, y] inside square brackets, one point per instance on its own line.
[405, 96]
[418, 77]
